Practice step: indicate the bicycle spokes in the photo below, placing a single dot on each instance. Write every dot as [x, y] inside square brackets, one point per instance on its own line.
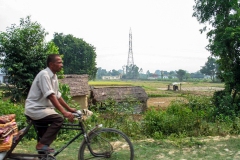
[107, 144]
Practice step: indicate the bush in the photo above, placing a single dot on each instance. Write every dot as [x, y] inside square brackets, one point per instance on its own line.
[119, 115]
[181, 117]
[225, 107]
[174, 120]
[7, 107]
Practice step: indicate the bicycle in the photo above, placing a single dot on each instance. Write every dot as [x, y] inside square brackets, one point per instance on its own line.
[99, 143]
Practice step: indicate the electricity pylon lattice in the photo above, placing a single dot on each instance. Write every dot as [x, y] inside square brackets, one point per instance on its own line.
[130, 61]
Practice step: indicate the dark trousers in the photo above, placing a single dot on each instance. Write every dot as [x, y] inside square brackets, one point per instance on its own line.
[48, 128]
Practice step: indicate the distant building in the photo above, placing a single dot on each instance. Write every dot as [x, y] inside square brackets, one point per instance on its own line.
[111, 77]
[2, 77]
[152, 78]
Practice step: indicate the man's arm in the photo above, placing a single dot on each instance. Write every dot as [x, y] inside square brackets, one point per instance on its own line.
[57, 105]
[65, 105]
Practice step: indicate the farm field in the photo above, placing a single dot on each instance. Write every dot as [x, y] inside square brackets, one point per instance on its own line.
[159, 95]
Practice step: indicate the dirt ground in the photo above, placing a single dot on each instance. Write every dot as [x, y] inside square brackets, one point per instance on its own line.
[197, 88]
[160, 102]
[163, 102]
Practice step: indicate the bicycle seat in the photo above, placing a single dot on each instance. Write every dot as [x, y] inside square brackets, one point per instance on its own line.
[35, 123]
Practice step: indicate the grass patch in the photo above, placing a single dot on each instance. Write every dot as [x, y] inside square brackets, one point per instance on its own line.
[109, 83]
[159, 95]
[159, 88]
[211, 148]
[70, 153]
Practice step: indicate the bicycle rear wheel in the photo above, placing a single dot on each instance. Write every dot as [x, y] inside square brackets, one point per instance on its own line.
[107, 143]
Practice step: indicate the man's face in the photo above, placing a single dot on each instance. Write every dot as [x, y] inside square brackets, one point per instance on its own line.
[57, 65]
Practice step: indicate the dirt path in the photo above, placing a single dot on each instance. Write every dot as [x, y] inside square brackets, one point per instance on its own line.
[160, 102]
[197, 88]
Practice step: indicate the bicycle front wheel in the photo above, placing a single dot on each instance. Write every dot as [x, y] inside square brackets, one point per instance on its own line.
[107, 143]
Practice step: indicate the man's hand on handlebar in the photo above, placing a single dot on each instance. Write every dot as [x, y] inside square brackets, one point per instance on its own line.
[69, 116]
[73, 110]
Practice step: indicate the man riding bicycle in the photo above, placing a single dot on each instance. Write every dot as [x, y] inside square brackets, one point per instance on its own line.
[42, 100]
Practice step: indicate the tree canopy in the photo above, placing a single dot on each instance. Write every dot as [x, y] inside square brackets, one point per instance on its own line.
[79, 57]
[103, 72]
[132, 72]
[180, 74]
[23, 54]
[210, 68]
[223, 33]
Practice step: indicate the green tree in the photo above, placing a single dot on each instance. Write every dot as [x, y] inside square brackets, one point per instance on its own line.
[197, 74]
[79, 56]
[223, 33]
[52, 48]
[187, 76]
[23, 54]
[210, 68]
[132, 72]
[148, 73]
[180, 74]
[171, 74]
[162, 74]
[114, 73]
[101, 72]
[158, 72]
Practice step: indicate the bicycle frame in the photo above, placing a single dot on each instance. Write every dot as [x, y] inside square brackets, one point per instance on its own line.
[23, 132]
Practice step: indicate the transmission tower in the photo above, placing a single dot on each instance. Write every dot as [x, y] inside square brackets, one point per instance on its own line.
[130, 53]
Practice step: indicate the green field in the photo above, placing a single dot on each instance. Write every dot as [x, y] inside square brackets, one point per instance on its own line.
[159, 88]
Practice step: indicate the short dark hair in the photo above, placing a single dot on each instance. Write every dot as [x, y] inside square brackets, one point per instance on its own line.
[52, 58]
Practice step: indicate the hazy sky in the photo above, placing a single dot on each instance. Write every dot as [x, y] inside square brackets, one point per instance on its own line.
[165, 36]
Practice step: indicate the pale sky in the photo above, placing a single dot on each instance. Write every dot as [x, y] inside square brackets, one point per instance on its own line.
[165, 36]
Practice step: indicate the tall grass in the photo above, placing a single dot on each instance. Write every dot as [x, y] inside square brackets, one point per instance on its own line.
[181, 118]
[193, 117]
[117, 115]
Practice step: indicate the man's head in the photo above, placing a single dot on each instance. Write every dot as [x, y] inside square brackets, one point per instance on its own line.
[54, 62]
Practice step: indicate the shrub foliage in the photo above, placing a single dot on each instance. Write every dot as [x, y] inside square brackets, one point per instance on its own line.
[195, 116]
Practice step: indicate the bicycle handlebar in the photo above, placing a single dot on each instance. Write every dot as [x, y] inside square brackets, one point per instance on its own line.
[76, 115]
[85, 112]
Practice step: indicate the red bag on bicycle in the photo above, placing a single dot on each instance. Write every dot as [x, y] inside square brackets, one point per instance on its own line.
[6, 144]
[8, 128]
[7, 118]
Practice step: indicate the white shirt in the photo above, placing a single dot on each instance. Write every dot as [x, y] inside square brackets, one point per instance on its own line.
[37, 105]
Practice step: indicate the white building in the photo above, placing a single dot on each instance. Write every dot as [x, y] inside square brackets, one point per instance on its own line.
[111, 77]
[2, 75]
